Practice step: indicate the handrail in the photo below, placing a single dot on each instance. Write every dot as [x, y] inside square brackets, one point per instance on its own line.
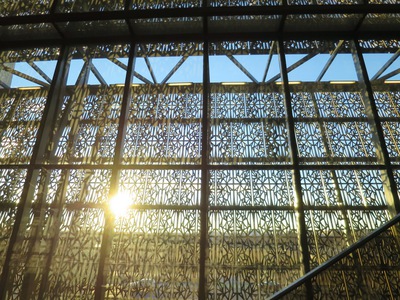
[330, 262]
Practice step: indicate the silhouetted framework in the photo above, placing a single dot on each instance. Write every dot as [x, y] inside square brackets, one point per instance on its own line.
[253, 141]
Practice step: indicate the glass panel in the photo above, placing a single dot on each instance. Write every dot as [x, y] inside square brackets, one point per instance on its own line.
[20, 32]
[161, 187]
[164, 124]
[247, 107]
[155, 249]
[87, 124]
[258, 189]
[218, 3]
[161, 4]
[64, 218]
[383, 66]
[25, 78]
[66, 6]
[251, 23]
[371, 271]
[252, 253]
[331, 124]
[155, 254]
[19, 8]
[325, 2]
[11, 183]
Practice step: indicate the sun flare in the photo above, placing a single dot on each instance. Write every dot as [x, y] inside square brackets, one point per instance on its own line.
[120, 203]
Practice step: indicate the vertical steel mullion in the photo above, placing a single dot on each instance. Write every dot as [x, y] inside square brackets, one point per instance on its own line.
[367, 95]
[23, 208]
[204, 201]
[299, 207]
[108, 233]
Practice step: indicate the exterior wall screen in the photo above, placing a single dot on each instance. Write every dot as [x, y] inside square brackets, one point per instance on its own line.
[222, 168]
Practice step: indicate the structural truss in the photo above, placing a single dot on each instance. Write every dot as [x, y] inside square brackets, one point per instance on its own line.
[248, 142]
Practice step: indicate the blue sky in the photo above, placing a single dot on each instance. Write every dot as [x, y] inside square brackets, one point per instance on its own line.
[222, 69]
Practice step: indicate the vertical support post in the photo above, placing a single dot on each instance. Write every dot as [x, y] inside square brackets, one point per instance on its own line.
[203, 290]
[367, 95]
[302, 233]
[108, 233]
[24, 206]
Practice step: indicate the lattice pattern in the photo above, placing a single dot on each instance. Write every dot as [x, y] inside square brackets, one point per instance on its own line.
[170, 49]
[328, 105]
[88, 127]
[270, 188]
[163, 133]
[253, 216]
[239, 47]
[73, 270]
[325, 2]
[30, 54]
[218, 3]
[162, 4]
[371, 270]
[247, 250]
[326, 235]
[318, 188]
[162, 187]
[241, 131]
[11, 182]
[388, 104]
[351, 141]
[23, 8]
[63, 233]
[67, 6]
[155, 254]
[21, 113]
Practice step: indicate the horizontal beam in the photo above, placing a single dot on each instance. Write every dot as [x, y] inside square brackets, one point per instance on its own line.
[288, 166]
[186, 24]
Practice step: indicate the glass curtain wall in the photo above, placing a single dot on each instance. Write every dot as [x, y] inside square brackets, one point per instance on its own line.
[187, 170]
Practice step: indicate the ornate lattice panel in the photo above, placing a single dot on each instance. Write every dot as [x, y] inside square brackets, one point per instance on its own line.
[324, 2]
[388, 104]
[11, 182]
[24, 8]
[371, 271]
[87, 123]
[67, 6]
[251, 188]
[164, 123]
[162, 4]
[342, 206]
[218, 3]
[161, 187]
[25, 77]
[58, 256]
[332, 127]
[155, 254]
[72, 269]
[252, 253]
[247, 110]
[248, 247]
[248, 226]
[155, 249]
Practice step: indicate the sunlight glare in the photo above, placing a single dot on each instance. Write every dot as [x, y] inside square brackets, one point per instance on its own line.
[119, 204]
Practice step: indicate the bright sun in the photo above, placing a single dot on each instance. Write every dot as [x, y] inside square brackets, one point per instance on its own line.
[120, 203]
